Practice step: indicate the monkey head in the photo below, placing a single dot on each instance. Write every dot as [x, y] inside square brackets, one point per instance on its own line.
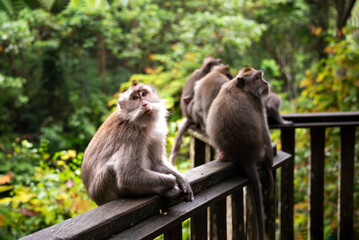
[251, 80]
[141, 104]
[224, 69]
[210, 61]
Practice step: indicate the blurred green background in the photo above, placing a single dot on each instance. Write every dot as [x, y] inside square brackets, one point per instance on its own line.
[64, 62]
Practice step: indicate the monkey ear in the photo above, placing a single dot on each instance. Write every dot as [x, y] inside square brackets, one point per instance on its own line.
[134, 83]
[241, 82]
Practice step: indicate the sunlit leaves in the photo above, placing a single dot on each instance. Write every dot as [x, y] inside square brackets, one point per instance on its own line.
[332, 82]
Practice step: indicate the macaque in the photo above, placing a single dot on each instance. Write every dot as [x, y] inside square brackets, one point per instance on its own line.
[205, 90]
[126, 157]
[237, 127]
[187, 92]
[272, 103]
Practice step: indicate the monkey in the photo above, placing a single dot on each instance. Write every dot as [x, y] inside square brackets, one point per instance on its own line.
[237, 126]
[187, 92]
[272, 103]
[126, 156]
[205, 90]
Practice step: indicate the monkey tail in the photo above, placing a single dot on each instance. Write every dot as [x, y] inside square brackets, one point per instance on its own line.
[271, 183]
[178, 139]
[253, 176]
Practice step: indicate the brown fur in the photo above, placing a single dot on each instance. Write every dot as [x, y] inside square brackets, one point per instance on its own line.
[272, 103]
[126, 156]
[188, 92]
[237, 126]
[205, 90]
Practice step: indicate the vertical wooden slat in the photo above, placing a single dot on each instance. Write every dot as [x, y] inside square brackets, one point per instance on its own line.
[269, 207]
[316, 183]
[250, 213]
[238, 232]
[198, 221]
[218, 223]
[286, 189]
[346, 183]
[209, 154]
[199, 226]
[197, 152]
[174, 234]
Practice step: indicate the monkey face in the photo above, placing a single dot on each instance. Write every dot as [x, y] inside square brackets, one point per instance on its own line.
[140, 104]
[251, 80]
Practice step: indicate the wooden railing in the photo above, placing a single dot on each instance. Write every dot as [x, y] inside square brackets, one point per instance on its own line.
[317, 123]
[216, 184]
[140, 218]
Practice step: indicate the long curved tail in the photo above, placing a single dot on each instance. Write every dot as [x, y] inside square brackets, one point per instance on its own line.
[178, 139]
[253, 176]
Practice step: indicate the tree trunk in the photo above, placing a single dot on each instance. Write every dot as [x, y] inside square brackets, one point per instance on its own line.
[344, 8]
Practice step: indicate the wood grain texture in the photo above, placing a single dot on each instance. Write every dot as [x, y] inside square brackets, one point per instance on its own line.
[324, 119]
[116, 216]
[316, 184]
[346, 183]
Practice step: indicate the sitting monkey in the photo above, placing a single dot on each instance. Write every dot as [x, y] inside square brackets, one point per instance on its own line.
[126, 156]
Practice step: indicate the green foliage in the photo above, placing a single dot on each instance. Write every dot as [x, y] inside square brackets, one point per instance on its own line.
[332, 83]
[63, 62]
[47, 189]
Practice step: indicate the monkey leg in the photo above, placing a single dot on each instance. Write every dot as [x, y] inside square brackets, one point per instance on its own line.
[178, 139]
[103, 186]
[143, 181]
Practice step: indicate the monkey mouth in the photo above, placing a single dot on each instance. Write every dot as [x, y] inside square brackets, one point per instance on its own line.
[148, 112]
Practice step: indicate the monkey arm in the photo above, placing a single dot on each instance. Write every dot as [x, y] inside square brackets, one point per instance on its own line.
[167, 168]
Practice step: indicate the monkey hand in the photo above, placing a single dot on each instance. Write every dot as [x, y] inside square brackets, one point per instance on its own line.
[186, 190]
[288, 123]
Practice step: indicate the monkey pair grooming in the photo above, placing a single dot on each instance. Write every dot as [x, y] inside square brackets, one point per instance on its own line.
[126, 157]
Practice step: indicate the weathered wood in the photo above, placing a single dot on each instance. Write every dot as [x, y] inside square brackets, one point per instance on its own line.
[316, 184]
[158, 224]
[238, 232]
[199, 134]
[286, 189]
[198, 222]
[250, 213]
[325, 119]
[346, 183]
[199, 225]
[114, 217]
[269, 207]
[174, 234]
[197, 152]
[218, 223]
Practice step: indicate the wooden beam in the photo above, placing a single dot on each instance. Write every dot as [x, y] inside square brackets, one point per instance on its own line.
[116, 216]
[316, 184]
[346, 183]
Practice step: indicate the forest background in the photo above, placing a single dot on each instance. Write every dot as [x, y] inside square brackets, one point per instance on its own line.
[64, 62]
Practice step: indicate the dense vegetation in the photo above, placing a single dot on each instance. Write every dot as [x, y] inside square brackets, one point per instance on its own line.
[63, 63]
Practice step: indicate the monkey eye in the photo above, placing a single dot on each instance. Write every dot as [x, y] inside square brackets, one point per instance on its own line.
[135, 97]
[144, 94]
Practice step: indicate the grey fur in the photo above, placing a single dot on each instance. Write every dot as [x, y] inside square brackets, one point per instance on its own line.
[204, 91]
[126, 156]
[272, 103]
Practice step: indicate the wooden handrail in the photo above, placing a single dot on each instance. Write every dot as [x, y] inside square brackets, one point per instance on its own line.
[117, 216]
